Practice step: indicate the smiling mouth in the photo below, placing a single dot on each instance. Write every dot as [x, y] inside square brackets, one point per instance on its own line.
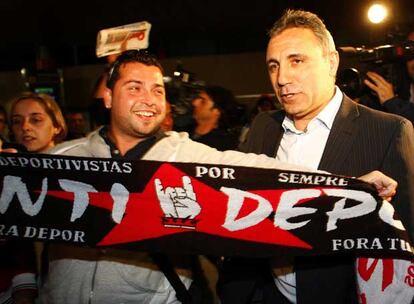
[144, 113]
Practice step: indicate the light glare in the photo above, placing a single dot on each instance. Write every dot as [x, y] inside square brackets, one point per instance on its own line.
[377, 13]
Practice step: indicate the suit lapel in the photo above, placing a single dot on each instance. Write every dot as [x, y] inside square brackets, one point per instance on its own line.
[341, 137]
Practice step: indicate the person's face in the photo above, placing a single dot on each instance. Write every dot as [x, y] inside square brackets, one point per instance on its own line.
[137, 101]
[302, 75]
[410, 63]
[32, 126]
[203, 108]
[76, 123]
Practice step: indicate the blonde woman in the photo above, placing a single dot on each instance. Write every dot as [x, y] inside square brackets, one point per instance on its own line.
[36, 122]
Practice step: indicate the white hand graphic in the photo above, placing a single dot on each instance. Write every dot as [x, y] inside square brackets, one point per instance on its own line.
[178, 202]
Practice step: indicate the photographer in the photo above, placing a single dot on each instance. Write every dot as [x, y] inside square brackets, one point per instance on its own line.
[390, 101]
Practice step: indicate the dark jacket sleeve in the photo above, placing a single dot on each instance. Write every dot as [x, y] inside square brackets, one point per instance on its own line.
[264, 134]
[399, 164]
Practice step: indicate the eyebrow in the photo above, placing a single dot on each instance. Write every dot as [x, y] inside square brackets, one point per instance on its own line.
[140, 82]
[133, 81]
[272, 61]
[158, 85]
[30, 114]
[294, 55]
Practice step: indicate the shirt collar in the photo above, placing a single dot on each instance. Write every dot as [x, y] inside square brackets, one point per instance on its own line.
[135, 152]
[326, 116]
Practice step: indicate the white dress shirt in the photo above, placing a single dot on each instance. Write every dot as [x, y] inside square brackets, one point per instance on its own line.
[304, 148]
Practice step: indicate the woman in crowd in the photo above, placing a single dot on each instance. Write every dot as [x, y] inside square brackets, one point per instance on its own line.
[36, 122]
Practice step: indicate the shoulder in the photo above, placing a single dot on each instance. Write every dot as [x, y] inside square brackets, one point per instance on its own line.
[371, 124]
[174, 136]
[67, 146]
[369, 115]
[86, 146]
[175, 139]
[172, 140]
[269, 119]
[270, 116]
[176, 146]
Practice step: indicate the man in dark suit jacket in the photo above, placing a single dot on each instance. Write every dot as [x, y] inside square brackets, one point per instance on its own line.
[351, 139]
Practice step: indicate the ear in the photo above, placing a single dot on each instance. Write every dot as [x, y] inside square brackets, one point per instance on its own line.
[107, 97]
[216, 113]
[333, 63]
[56, 131]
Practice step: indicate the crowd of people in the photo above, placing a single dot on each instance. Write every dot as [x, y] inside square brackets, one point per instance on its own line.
[339, 136]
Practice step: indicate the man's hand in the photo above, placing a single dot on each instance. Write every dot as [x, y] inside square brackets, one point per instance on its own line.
[10, 150]
[380, 86]
[386, 186]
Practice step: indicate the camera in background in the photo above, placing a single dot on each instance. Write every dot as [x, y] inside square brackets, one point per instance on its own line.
[181, 89]
[387, 60]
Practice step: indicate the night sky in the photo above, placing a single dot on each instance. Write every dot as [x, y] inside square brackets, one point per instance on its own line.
[66, 30]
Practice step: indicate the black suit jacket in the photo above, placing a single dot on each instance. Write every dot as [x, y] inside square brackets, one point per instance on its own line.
[361, 140]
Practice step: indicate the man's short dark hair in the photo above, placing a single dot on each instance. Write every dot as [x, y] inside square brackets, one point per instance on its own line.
[225, 101]
[140, 56]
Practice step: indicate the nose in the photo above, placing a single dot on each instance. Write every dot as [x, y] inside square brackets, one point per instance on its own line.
[147, 98]
[26, 125]
[283, 76]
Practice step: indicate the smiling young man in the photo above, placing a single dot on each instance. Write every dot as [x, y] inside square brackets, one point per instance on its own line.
[320, 128]
[136, 97]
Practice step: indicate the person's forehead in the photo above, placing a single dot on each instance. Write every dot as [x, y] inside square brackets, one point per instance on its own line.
[297, 35]
[292, 42]
[29, 104]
